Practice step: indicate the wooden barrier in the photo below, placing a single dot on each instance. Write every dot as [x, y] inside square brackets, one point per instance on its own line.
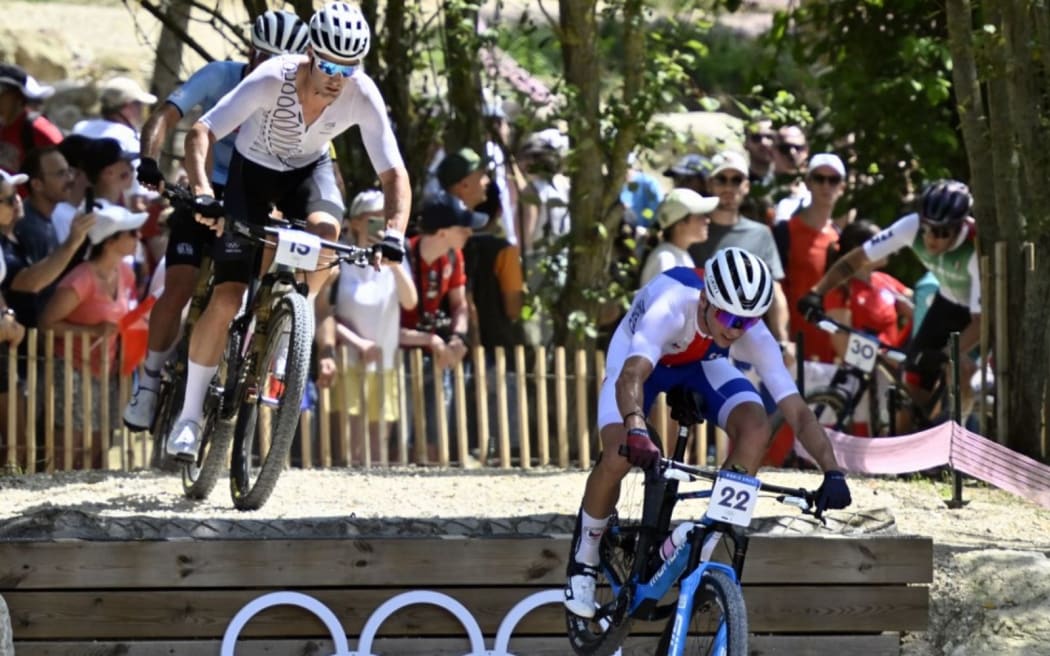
[826, 595]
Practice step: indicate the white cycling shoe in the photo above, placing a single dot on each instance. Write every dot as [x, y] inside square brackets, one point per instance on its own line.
[579, 590]
[141, 409]
[184, 441]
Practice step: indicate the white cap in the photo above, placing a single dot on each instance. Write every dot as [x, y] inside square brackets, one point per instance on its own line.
[730, 160]
[112, 219]
[17, 77]
[119, 91]
[14, 178]
[680, 203]
[370, 200]
[830, 160]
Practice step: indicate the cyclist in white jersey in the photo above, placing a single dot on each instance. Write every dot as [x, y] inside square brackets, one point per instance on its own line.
[273, 33]
[286, 113]
[679, 332]
[944, 237]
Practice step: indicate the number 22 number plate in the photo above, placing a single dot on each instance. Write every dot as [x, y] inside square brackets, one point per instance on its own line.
[733, 498]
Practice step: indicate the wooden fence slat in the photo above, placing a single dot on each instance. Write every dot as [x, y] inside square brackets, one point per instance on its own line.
[31, 399]
[522, 391]
[67, 407]
[13, 397]
[384, 427]
[502, 417]
[49, 402]
[481, 403]
[659, 417]
[583, 417]
[419, 414]
[324, 427]
[364, 433]
[561, 399]
[345, 394]
[87, 405]
[402, 399]
[103, 406]
[441, 412]
[306, 429]
[542, 424]
[459, 400]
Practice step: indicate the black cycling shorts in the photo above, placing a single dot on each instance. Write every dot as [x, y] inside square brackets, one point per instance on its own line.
[251, 191]
[925, 353]
[188, 239]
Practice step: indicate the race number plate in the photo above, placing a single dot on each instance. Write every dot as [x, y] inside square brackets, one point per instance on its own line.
[861, 352]
[298, 249]
[733, 499]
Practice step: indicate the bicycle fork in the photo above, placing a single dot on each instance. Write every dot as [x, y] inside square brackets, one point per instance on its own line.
[684, 610]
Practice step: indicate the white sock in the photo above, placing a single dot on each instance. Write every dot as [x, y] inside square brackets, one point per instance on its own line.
[198, 377]
[591, 530]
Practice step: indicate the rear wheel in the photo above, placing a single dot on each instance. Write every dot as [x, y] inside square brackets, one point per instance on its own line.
[270, 408]
[718, 625]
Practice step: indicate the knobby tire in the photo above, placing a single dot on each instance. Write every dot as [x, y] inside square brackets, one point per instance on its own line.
[718, 599]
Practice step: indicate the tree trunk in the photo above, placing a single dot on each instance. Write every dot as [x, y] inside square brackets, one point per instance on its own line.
[168, 64]
[464, 127]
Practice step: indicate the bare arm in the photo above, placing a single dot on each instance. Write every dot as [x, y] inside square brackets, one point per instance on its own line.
[457, 303]
[839, 339]
[41, 274]
[397, 197]
[630, 391]
[156, 129]
[777, 317]
[199, 142]
[809, 431]
[407, 296]
[842, 270]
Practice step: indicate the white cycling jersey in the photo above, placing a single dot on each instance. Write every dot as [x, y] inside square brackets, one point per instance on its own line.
[265, 106]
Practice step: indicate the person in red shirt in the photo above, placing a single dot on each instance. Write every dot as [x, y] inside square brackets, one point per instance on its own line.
[871, 300]
[21, 131]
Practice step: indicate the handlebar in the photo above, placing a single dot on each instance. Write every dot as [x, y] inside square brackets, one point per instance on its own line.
[829, 325]
[211, 208]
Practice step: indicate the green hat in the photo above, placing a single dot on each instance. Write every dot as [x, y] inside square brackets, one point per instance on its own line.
[457, 166]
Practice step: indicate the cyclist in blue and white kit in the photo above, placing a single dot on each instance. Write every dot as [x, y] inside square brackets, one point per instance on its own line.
[680, 331]
[273, 33]
[286, 112]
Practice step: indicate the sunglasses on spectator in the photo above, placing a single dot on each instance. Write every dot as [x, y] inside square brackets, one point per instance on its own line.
[9, 200]
[819, 178]
[734, 181]
[733, 322]
[939, 232]
[331, 69]
[790, 148]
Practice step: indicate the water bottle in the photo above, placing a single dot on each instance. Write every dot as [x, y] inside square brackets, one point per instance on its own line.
[675, 539]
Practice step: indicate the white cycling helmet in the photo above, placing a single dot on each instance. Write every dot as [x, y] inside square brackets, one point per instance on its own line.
[278, 32]
[340, 30]
[738, 282]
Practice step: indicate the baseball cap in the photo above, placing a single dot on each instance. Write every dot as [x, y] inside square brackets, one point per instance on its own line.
[367, 202]
[691, 164]
[446, 211]
[680, 203]
[73, 148]
[119, 91]
[827, 159]
[112, 219]
[457, 166]
[101, 153]
[17, 77]
[14, 178]
[730, 160]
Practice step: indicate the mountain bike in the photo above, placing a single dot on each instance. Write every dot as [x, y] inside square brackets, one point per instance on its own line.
[269, 351]
[709, 615]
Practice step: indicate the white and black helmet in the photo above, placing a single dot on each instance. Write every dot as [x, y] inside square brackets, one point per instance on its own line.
[945, 203]
[340, 30]
[738, 282]
[278, 32]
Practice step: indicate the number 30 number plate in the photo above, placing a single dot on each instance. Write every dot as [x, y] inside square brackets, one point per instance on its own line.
[733, 499]
[861, 352]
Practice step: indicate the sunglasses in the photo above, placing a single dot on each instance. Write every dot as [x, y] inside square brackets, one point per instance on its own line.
[939, 232]
[789, 148]
[9, 200]
[331, 69]
[734, 181]
[819, 178]
[733, 322]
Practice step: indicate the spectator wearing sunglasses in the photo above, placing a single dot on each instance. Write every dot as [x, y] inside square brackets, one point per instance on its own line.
[286, 112]
[943, 235]
[803, 242]
[679, 333]
[789, 160]
[730, 184]
[759, 141]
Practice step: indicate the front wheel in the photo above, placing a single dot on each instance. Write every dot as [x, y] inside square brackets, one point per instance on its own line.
[718, 626]
[270, 408]
[199, 477]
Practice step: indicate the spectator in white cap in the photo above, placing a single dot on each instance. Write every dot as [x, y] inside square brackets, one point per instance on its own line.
[92, 298]
[729, 181]
[683, 219]
[20, 129]
[11, 330]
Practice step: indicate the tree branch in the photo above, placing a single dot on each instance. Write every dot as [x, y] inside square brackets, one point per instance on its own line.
[181, 33]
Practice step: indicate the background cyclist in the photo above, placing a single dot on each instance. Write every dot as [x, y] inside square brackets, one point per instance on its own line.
[680, 330]
[944, 237]
[286, 113]
[273, 33]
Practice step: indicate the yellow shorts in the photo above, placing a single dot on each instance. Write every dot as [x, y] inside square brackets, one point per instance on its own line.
[347, 393]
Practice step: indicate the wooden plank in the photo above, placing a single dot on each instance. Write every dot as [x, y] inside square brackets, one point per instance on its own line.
[421, 561]
[524, 448]
[862, 645]
[459, 399]
[183, 614]
[502, 415]
[583, 416]
[441, 411]
[419, 415]
[542, 432]
[561, 408]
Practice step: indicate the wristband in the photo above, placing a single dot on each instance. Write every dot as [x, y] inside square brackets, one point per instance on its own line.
[633, 412]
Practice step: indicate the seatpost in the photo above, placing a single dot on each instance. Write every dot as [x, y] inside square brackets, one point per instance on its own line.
[956, 501]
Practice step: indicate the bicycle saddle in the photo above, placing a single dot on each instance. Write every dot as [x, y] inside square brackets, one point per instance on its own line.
[687, 406]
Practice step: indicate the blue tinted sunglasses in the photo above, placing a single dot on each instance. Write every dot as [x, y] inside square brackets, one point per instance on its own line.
[332, 69]
[733, 322]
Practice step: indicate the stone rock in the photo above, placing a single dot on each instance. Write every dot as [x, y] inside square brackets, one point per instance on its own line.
[7, 641]
[44, 54]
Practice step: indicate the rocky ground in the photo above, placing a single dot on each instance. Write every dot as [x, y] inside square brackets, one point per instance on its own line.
[990, 595]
